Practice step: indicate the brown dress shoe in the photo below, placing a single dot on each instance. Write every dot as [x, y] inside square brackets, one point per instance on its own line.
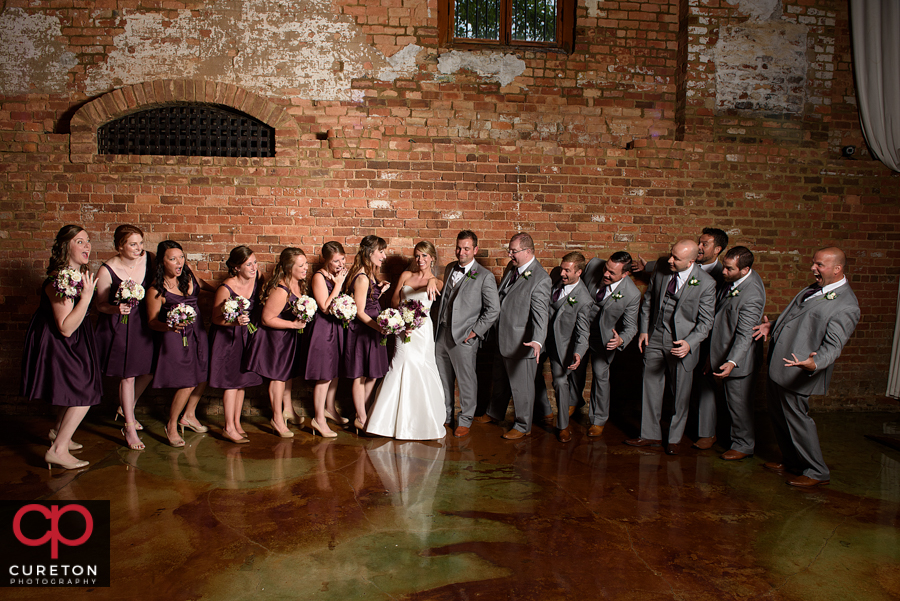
[515, 434]
[773, 466]
[461, 431]
[564, 435]
[642, 442]
[732, 455]
[672, 449]
[549, 420]
[807, 482]
[595, 431]
[705, 443]
[484, 419]
[571, 411]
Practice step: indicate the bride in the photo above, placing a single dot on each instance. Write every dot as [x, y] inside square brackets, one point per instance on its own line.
[409, 403]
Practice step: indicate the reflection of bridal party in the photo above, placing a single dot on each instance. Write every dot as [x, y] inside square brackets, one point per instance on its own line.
[699, 327]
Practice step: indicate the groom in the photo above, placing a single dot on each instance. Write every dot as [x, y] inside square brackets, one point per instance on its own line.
[469, 307]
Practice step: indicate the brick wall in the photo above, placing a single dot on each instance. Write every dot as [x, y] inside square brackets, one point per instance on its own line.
[626, 144]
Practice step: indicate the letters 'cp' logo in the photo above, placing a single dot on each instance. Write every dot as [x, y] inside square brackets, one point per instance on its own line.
[53, 535]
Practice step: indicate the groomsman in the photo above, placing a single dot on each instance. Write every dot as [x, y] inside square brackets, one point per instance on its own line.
[468, 309]
[569, 303]
[606, 330]
[807, 338]
[733, 354]
[521, 331]
[676, 317]
[711, 243]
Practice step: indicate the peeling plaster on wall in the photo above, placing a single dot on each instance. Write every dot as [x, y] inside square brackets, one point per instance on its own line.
[402, 64]
[762, 67]
[593, 8]
[272, 47]
[503, 68]
[32, 61]
[760, 10]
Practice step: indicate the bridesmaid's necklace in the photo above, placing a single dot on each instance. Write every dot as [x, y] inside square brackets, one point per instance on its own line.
[130, 270]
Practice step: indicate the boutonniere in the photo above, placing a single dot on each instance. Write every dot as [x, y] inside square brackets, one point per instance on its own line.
[472, 274]
[527, 274]
[616, 296]
[733, 293]
[572, 301]
[693, 282]
[831, 295]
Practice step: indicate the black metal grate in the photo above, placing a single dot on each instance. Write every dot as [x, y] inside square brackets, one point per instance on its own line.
[187, 130]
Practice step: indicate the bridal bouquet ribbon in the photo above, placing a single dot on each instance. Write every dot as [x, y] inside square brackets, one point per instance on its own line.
[304, 309]
[129, 293]
[235, 307]
[344, 308]
[391, 322]
[413, 314]
[68, 283]
[181, 316]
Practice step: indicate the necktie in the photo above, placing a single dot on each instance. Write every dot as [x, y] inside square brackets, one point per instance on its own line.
[601, 292]
[557, 293]
[723, 294]
[459, 268]
[673, 285]
[810, 291]
[515, 276]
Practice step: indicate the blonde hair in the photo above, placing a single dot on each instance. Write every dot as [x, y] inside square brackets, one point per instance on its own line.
[428, 248]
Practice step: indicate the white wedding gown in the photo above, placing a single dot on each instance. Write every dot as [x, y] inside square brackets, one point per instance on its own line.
[409, 403]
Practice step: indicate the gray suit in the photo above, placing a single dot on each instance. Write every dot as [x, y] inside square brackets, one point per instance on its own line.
[560, 349]
[737, 312]
[691, 321]
[705, 383]
[820, 325]
[472, 305]
[619, 312]
[524, 307]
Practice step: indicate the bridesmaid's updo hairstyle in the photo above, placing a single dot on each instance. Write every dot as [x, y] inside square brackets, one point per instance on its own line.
[59, 253]
[159, 282]
[282, 269]
[123, 233]
[363, 260]
[428, 248]
[329, 249]
[237, 257]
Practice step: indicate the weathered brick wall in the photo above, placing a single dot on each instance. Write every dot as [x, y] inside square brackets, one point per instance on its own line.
[631, 142]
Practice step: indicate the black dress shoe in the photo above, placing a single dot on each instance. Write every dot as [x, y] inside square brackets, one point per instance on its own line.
[672, 449]
[642, 442]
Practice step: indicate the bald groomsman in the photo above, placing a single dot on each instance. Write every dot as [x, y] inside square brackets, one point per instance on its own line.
[807, 338]
[733, 354]
[676, 317]
[570, 302]
[606, 330]
[521, 331]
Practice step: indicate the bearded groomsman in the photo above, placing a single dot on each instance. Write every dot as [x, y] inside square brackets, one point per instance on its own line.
[605, 331]
[807, 338]
[521, 331]
[733, 354]
[569, 303]
[676, 317]
[469, 307]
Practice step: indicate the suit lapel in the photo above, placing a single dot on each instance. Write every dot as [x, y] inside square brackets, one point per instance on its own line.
[686, 289]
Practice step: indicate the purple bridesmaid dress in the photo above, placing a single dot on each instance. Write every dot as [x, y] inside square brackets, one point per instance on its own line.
[363, 354]
[228, 345]
[177, 365]
[272, 350]
[323, 345]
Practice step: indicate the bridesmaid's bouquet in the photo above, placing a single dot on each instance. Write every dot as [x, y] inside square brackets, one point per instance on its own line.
[391, 321]
[68, 283]
[304, 308]
[129, 293]
[180, 316]
[344, 308]
[414, 315]
[235, 307]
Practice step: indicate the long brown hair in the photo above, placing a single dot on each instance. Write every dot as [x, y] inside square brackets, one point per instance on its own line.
[159, 280]
[237, 257]
[363, 260]
[285, 263]
[59, 253]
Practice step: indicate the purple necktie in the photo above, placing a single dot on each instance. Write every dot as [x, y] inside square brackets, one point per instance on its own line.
[557, 293]
[673, 284]
[515, 276]
[601, 292]
[810, 291]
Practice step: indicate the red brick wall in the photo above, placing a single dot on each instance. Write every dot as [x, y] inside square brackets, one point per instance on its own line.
[615, 147]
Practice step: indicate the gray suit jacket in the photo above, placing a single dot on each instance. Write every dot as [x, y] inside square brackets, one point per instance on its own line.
[473, 303]
[694, 309]
[819, 325]
[732, 332]
[523, 311]
[564, 315]
[615, 312]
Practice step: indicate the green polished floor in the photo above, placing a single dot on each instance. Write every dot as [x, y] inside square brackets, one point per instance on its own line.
[473, 518]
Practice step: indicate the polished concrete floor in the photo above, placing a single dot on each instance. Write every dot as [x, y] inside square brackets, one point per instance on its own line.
[473, 518]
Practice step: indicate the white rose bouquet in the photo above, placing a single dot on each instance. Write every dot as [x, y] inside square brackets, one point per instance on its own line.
[235, 307]
[304, 308]
[129, 293]
[391, 321]
[181, 316]
[413, 314]
[344, 308]
[68, 283]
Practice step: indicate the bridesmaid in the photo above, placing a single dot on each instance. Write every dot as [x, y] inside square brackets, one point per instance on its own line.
[229, 340]
[274, 347]
[324, 344]
[178, 364]
[60, 362]
[365, 360]
[126, 349]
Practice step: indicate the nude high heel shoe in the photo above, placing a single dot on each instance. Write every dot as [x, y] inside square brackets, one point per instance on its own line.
[338, 420]
[315, 428]
[120, 413]
[73, 446]
[52, 459]
[139, 445]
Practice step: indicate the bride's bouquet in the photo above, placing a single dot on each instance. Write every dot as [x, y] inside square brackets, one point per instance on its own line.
[235, 307]
[344, 308]
[181, 316]
[68, 283]
[413, 314]
[391, 322]
[304, 309]
[129, 293]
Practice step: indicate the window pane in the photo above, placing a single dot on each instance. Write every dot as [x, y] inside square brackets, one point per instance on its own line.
[534, 20]
[477, 19]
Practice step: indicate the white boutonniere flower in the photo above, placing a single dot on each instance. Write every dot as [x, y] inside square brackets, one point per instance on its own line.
[831, 295]
[693, 282]
[527, 274]
[572, 301]
[616, 296]
[733, 293]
